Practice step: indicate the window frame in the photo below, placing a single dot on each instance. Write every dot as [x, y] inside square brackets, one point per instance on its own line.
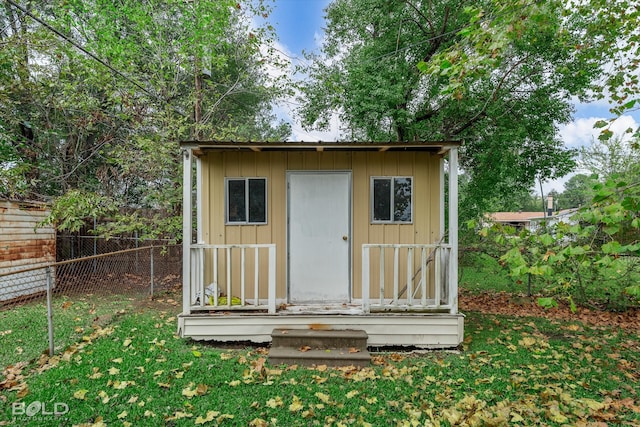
[246, 180]
[392, 180]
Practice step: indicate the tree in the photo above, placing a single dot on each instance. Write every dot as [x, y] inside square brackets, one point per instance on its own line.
[409, 70]
[610, 156]
[577, 192]
[95, 95]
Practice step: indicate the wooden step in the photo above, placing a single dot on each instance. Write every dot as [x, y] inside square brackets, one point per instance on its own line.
[319, 339]
[309, 347]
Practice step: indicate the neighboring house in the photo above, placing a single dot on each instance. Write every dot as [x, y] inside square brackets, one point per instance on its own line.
[518, 220]
[321, 235]
[24, 245]
[531, 220]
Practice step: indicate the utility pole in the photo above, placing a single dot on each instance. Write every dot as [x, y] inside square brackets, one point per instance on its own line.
[197, 108]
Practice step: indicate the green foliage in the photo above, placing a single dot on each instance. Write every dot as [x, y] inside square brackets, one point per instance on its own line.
[494, 75]
[577, 192]
[71, 211]
[68, 122]
[598, 246]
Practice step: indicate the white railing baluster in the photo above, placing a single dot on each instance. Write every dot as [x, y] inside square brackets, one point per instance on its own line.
[242, 268]
[201, 284]
[381, 275]
[229, 277]
[256, 275]
[396, 278]
[366, 306]
[438, 282]
[272, 279]
[423, 277]
[215, 276]
[410, 276]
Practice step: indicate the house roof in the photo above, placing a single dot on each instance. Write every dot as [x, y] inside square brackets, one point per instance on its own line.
[439, 147]
[514, 216]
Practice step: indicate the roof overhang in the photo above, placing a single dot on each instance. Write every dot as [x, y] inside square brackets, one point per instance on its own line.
[200, 147]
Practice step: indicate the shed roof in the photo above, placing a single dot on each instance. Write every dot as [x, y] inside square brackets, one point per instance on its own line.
[439, 147]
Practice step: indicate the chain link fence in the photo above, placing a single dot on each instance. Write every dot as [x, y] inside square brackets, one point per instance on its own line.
[72, 246]
[46, 309]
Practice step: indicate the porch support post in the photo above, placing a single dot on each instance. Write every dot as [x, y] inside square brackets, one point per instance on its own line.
[199, 227]
[453, 229]
[442, 200]
[187, 225]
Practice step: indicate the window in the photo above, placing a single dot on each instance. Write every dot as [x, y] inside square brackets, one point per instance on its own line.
[246, 200]
[392, 199]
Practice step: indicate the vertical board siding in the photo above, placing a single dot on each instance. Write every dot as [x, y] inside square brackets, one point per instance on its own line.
[423, 167]
[23, 244]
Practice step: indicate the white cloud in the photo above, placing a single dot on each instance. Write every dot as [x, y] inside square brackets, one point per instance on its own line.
[581, 131]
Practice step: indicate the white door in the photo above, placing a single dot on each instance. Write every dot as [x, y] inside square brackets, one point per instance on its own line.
[319, 236]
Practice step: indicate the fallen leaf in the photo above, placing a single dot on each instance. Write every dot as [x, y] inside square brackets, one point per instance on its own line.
[104, 396]
[323, 397]
[200, 390]
[527, 341]
[211, 415]
[296, 405]
[80, 394]
[396, 357]
[304, 348]
[179, 415]
[275, 402]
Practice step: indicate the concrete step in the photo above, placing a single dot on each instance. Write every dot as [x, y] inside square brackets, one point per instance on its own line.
[309, 347]
[319, 339]
[317, 357]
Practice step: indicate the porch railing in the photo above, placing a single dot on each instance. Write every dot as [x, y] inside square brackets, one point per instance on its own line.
[409, 277]
[234, 274]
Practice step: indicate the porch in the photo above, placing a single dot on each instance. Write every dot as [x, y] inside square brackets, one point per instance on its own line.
[237, 306]
[321, 236]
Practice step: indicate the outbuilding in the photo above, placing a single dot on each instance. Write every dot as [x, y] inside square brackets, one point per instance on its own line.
[321, 235]
[25, 244]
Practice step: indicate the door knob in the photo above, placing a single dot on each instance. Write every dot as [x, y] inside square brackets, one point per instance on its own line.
[345, 238]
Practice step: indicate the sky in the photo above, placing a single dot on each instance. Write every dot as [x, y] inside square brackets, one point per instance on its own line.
[299, 26]
[298, 23]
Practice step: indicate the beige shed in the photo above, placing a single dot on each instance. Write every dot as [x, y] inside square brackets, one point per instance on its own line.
[344, 235]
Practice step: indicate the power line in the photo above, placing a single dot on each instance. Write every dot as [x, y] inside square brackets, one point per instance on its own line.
[82, 49]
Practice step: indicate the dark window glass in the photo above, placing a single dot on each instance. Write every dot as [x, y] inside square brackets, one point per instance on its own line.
[237, 209]
[382, 199]
[402, 199]
[257, 200]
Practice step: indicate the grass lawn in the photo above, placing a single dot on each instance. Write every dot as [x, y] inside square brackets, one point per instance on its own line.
[512, 371]
[25, 335]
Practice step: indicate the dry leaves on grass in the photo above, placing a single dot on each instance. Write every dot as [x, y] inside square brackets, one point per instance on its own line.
[507, 304]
